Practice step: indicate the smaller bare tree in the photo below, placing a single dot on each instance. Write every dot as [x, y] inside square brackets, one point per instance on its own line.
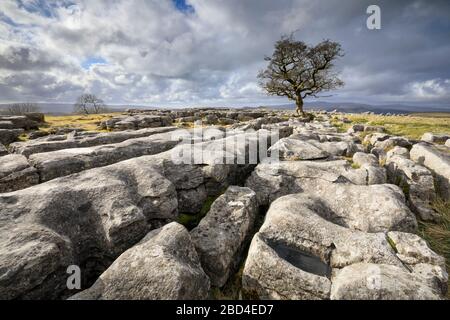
[89, 104]
[18, 109]
[297, 70]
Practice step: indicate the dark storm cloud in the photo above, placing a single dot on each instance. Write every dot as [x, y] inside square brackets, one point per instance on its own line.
[159, 53]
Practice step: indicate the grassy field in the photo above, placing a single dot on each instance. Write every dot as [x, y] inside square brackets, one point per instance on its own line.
[438, 234]
[413, 126]
[87, 122]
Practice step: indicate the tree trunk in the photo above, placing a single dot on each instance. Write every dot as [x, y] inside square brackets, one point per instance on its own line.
[299, 103]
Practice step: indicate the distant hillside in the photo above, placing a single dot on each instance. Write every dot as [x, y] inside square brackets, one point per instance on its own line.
[67, 108]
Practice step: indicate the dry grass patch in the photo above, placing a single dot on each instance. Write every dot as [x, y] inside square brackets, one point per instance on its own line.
[412, 127]
[86, 122]
[438, 234]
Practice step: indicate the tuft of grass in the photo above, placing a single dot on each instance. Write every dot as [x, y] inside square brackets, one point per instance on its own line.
[190, 221]
[23, 137]
[232, 289]
[355, 166]
[342, 127]
[392, 243]
[438, 234]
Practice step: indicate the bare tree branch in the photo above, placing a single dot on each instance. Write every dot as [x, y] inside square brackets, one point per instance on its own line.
[89, 104]
[18, 109]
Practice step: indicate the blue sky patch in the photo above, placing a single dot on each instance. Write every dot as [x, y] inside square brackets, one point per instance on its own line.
[91, 61]
[43, 7]
[182, 6]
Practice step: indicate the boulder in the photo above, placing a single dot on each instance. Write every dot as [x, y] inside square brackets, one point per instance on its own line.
[373, 138]
[392, 142]
[37, 134]
[86, 219]
[162, 266]
[375, 175]
[355, 128]
[16, 173]
[413, 250]
[293, 149]
[274, 272]
[6, 125]
[20, 122]
[3, 150]
[221, 236]
[374, 129]
[417, 182]
[337, 148]
[38, 117]
[381, 148]
[137, 121]
[435, 138]
[190, 201]
[397, 151]
[368, 281]
[211, 119]
[125, 125]
[227, 121]
[365, 159]
[302, 247]
[8, 136]
[438, 162]
[373, 208]
[447, 143]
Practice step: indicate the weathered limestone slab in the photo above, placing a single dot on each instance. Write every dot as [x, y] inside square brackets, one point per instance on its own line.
[51, 165]
[16, 173]
[301, 252]
[6, 125]
[20, 122]
[368, 281]
[438, 162]
[137, 121]
[85, 219]
[417, 182]
[435, 138]
[221, 236]
[8, 136]
[272, 181]
[293, 149]
[3, 150]
[162, 266]
[80, 140]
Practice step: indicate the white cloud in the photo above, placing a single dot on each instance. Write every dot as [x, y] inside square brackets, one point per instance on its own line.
[158, 55]
[433, 89]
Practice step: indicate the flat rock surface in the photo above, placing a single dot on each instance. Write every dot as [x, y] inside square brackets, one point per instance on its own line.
[48, 144]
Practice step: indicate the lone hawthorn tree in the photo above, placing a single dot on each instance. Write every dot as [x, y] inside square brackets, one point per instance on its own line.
[297, 70]
[89, 104]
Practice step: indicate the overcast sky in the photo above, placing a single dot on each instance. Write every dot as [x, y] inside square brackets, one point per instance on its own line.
[208, 52]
